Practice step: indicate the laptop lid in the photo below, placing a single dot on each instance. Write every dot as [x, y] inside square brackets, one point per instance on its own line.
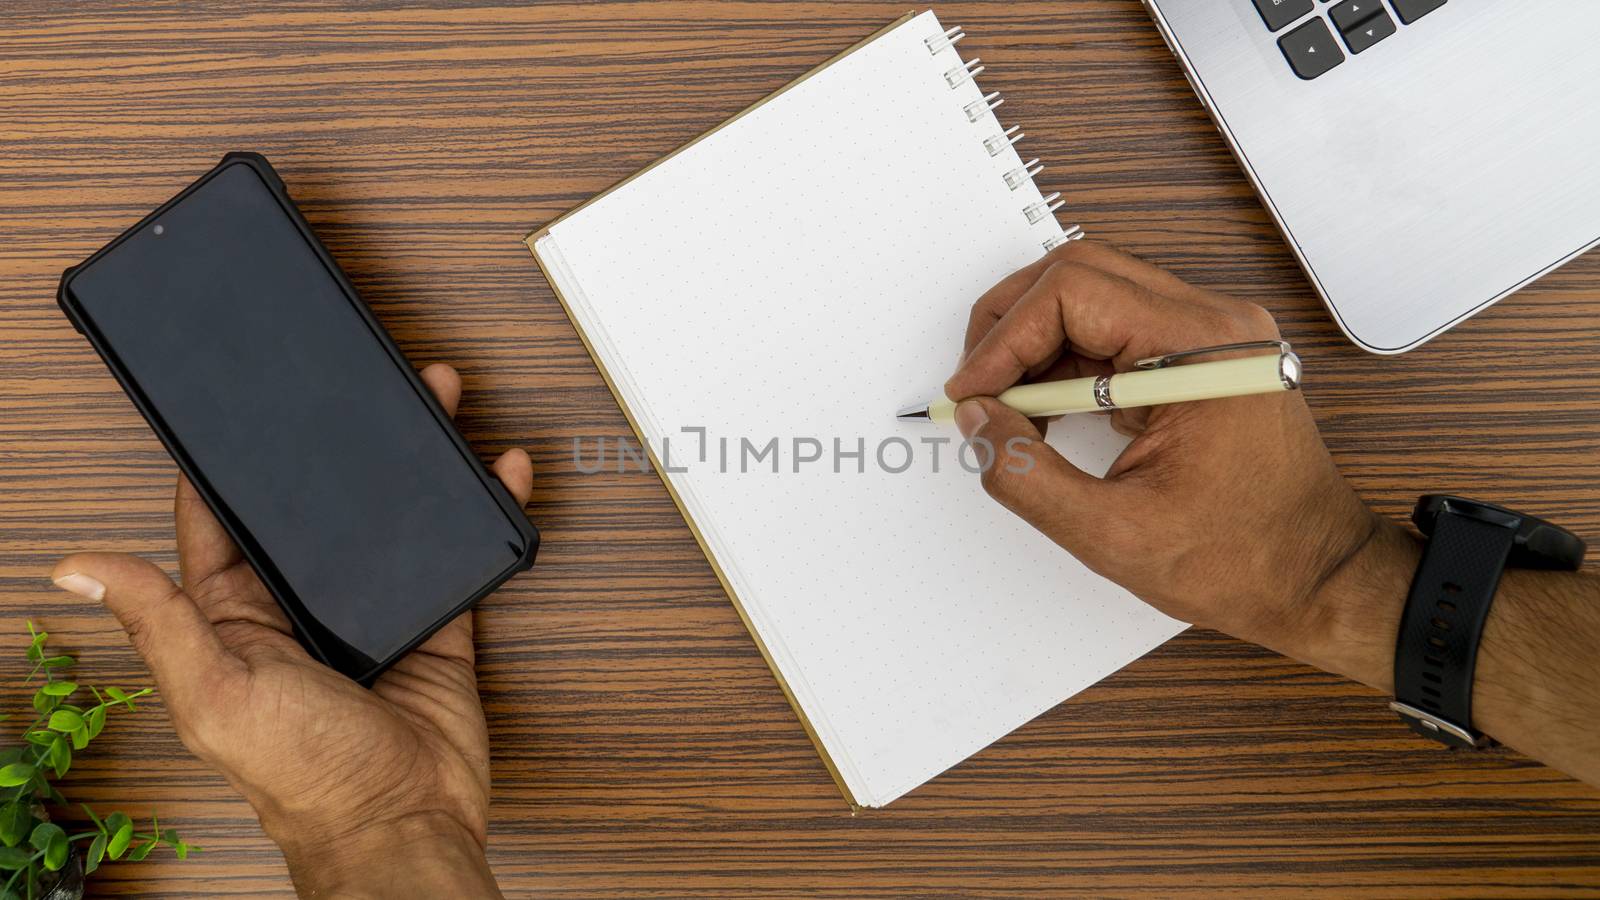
[1422, 179]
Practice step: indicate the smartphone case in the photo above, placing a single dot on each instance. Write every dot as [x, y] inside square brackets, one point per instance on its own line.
[321, 644]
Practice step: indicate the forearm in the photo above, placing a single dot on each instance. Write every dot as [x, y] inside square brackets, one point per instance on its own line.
[1537, 683]
[415, 857]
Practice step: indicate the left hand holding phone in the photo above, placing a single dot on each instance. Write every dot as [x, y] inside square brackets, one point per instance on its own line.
[350, 782]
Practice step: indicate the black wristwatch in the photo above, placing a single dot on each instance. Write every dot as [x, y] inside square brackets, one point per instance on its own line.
[1469, 545]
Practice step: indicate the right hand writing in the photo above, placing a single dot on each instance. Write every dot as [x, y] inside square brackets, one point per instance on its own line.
[1230, 513]
[1225, 513]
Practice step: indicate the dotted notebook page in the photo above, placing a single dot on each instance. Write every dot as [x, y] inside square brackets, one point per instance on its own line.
[786, 284]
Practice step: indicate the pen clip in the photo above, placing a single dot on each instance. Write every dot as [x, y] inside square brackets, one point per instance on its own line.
[1161, 362]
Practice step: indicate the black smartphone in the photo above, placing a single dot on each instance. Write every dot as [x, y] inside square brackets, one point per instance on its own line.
[285, 402]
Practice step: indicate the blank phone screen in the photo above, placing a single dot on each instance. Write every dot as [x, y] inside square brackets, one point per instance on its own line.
[245, 346]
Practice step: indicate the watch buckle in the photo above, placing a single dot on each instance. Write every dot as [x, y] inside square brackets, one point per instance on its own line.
[1440, 729]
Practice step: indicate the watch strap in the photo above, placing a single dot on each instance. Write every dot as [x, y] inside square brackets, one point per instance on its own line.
[1449, 601]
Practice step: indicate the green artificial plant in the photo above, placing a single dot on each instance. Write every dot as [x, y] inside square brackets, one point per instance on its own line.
[35, 849]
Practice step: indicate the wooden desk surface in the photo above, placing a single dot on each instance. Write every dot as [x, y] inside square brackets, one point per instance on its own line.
[641, 748]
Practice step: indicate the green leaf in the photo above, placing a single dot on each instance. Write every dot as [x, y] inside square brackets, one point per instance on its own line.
[121, 696]
[97, 852]
[141, 851]
[15, 774]
[12, 859]
[15, 822]
[42, 738]
[43, 834]
[36, 644]
[80, 738]
[60, 757]
[182, 850]
[97, 721]
[59, 688]
[121, 830]
[42, 702]
[55, 855]
[65, 720]
[57, 662]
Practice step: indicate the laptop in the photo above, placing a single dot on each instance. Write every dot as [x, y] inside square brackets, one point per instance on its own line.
[1424, 158]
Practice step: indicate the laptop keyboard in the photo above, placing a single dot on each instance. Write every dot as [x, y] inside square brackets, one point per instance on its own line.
[1310, 46]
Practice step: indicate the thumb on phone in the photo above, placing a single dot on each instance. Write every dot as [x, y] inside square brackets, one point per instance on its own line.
[166, 628]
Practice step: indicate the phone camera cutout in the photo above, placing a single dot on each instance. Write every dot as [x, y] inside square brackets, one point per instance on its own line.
[160, 230]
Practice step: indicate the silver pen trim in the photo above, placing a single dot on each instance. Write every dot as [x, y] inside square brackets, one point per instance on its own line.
[1102, 392]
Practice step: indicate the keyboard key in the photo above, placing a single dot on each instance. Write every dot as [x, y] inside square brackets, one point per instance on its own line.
[1311, 49]
[1351, 13]
[1369, 32]
[1278, 13]
[1410, 10]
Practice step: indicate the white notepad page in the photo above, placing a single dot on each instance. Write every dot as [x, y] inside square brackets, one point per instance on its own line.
[802, 273]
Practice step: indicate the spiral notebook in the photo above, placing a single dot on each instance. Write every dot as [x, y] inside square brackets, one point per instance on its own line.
[761, 302]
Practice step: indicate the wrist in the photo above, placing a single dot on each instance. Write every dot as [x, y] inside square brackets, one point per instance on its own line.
[1354, 610]
[422, 854]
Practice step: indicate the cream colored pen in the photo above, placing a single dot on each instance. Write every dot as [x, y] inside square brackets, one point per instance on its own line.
[1155, 381]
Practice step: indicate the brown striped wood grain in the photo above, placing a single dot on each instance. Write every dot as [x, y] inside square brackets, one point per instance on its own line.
[641, 748]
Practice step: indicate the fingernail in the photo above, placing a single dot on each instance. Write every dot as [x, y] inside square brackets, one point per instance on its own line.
[970, 417]
[82, 585]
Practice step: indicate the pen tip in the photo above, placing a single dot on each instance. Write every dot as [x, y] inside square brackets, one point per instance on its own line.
[912, 413]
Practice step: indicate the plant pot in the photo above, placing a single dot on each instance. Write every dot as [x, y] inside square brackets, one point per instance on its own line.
[69, 881]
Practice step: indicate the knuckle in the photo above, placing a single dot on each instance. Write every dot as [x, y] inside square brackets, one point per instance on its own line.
[1242, 320]
[1081, 250]
[141, 622]
[1255, 320]
[139, 630]
[1070, 282]
[979, 316]
[993, 483]
[1073, 279]
[1066, 272]
[1000, 484]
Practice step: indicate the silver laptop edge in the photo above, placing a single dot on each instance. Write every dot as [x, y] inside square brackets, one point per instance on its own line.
[1430, 269]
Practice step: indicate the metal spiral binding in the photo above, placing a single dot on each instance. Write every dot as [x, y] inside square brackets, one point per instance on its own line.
[1039, 211]
[955, 77]
[996, 144]
[1071, 234]
[942, 42]
[1018, 177]
[990, 101]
